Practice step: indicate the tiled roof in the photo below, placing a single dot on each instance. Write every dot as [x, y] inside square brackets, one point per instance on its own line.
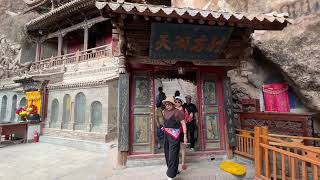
[59, 13]
[272, 21]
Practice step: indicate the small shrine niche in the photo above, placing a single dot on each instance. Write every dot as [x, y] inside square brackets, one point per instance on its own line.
[250, 105]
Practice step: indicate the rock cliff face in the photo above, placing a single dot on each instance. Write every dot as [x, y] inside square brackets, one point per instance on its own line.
[296, 51]
[12, 37]
[10, 54]
[294, 8]
[227, 5]
[11, 24]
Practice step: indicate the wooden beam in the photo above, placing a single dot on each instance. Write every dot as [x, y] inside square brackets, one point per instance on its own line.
[220, 23]
[201, 21]
[75, 27]
[231, 24]
[211, 23]
[158, 18]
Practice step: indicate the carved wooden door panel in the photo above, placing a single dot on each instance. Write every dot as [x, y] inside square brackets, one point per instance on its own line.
[212, 113]
[141, 113]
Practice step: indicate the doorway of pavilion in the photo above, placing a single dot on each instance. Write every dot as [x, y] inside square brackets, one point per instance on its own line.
[206, 91]
[172, 81]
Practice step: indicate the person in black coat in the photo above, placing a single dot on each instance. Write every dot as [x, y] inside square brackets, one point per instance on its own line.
[192, 123]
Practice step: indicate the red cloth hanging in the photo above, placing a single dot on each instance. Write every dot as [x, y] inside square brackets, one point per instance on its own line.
[276, 97]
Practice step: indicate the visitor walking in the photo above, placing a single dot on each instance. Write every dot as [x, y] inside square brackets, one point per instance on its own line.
[178, 103]
[192, 122]
[159, 116]
[173, 119]
[177, 93]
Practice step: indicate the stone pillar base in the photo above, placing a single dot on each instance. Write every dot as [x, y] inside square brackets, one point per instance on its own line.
[122, 159]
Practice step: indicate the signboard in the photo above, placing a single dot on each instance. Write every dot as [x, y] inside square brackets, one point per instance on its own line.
[187, 42]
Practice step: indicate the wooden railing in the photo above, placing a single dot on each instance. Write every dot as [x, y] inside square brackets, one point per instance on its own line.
[245, 143]
[278, 159]
[77, 57]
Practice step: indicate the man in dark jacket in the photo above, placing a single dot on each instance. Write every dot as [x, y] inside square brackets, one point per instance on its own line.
[192, 124]
[159, 119]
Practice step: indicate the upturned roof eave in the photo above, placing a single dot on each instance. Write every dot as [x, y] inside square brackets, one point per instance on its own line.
[258, 22]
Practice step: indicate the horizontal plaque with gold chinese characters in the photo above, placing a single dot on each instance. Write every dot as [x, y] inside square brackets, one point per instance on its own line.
[187, 42]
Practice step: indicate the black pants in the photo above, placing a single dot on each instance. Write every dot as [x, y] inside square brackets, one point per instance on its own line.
[171, 152]
[191, 126]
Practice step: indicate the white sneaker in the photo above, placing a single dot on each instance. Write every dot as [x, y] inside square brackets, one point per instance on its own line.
[191, 149]
[170, 178]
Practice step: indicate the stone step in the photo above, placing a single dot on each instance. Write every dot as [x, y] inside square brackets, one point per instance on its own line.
[243, 160]
[199, 168]
[79, 135]
[160, 160]
[92, 146]
[195, 171]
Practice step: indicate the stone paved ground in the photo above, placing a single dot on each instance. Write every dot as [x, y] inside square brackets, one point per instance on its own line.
[53, 162]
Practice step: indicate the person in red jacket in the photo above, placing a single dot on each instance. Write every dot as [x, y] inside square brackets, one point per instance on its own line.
[173, 121]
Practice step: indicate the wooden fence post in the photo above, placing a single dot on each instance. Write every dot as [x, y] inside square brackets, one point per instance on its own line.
[257, 152]
[264, 132]
[265, 157]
